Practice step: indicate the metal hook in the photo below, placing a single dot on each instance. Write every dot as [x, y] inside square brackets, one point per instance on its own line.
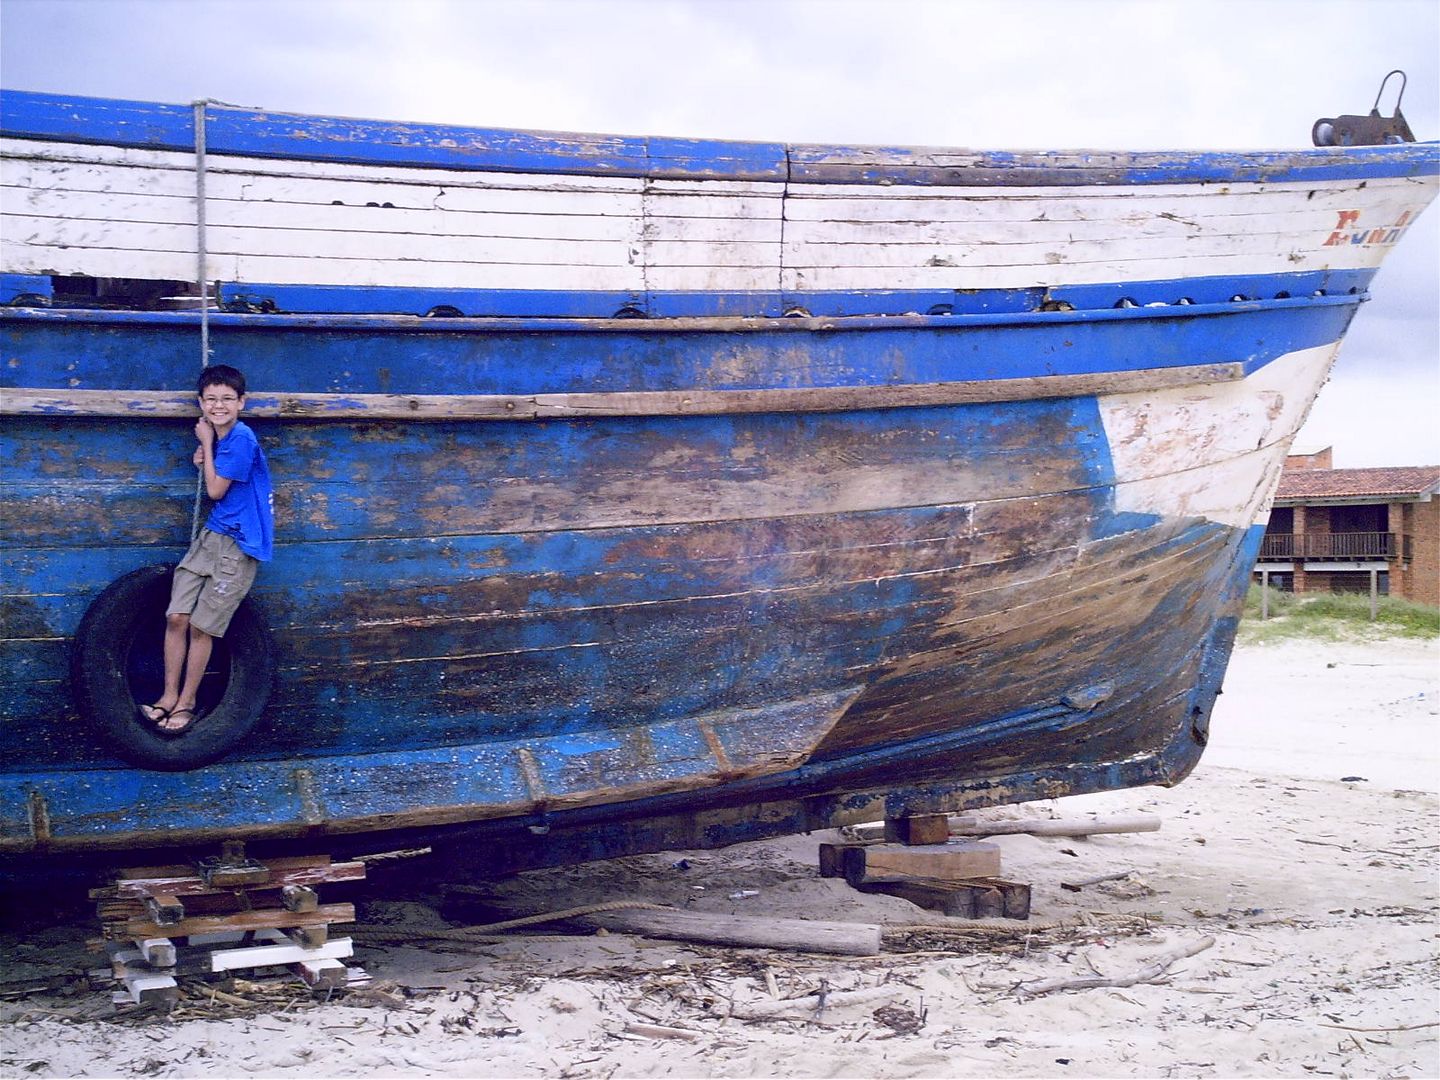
[1375, 109]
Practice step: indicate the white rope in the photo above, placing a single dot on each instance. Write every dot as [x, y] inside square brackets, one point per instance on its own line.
[202, 282]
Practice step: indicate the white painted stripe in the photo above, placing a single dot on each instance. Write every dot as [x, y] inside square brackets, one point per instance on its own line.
[1212, 451]
[107, 212]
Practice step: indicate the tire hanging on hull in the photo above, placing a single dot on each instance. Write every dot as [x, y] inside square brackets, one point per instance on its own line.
[103, 675]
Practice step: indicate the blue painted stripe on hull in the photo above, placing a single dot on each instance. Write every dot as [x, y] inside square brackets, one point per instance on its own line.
[250, 132]
[340, 307]
[59, 349]
[510, 303]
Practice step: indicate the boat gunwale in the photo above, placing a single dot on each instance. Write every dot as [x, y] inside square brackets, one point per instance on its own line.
[249, 132]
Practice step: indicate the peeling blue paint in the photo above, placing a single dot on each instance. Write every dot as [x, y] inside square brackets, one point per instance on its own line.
[254, 132]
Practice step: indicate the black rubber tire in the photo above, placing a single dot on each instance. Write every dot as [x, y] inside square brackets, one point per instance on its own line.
[114, 663]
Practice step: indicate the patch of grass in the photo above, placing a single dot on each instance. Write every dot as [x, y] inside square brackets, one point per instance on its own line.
[1280, 603]
[1335, 617]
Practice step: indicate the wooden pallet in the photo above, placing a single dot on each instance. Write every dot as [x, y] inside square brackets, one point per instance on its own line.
[223, 914]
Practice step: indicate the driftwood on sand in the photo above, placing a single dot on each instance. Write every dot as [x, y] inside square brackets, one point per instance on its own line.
[1151, 972]
[802, 935]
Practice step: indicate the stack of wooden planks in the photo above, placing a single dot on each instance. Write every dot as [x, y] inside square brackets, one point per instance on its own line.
[918, 862]
[222, 914]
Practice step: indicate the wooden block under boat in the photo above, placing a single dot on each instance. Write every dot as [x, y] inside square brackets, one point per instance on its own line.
[948, 862]
[977, 898]
[915, 829]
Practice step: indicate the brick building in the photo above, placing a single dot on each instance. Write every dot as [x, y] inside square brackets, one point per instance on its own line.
[1332, 529]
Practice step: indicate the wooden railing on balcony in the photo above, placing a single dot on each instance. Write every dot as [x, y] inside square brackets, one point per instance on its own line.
[1348, 545]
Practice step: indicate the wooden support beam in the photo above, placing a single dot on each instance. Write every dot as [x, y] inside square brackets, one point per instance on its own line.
[240, 920]
[969, 859]
[918, 829]
[238, 876]
[185, 870]
[158, 952]
[310, 937]
[164, 909]
[978, 898]
[146, 988]
[299, 898]
[321, 974]
[272, 955]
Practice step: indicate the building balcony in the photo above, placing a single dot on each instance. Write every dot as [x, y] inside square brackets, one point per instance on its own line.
[1347, 546]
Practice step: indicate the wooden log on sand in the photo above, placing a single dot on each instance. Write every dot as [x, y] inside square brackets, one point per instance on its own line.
[1129, 823]
[746, 931]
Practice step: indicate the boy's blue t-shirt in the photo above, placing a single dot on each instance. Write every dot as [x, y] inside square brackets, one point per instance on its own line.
[245, 511]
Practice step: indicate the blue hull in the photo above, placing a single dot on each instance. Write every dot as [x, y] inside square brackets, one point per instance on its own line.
[505, 621]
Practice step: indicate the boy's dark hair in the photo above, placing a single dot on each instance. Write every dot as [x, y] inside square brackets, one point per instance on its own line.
[222, 375]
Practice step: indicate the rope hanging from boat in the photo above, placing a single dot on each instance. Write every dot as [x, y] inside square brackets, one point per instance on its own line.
[201, 275]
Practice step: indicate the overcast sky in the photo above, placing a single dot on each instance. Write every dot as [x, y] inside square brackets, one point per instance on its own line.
[1142, 74]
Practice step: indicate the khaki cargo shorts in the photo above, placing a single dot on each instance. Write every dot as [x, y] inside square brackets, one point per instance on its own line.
[211, 581]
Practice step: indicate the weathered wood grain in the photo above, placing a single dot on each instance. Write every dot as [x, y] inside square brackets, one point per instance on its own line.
[161, 404]
[189, 885]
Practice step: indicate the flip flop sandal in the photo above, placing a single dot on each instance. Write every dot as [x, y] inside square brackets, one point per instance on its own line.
[175, 733]
[153, 714]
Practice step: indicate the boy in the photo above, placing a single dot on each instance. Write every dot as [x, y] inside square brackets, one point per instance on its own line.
[220, 566]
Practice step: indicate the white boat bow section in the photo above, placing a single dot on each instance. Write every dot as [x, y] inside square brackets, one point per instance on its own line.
[1213, 451]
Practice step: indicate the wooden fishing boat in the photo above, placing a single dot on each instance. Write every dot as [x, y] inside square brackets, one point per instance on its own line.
[635, 493]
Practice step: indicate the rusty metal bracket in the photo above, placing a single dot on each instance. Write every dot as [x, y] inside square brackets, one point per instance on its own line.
[1371, 130]
[232, 868]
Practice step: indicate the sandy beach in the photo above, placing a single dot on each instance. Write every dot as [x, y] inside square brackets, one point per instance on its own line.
[1305, 845]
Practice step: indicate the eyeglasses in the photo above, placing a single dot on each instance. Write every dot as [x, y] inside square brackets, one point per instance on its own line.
[220, 400]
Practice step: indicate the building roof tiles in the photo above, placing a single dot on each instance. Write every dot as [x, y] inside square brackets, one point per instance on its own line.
[1409, 481]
